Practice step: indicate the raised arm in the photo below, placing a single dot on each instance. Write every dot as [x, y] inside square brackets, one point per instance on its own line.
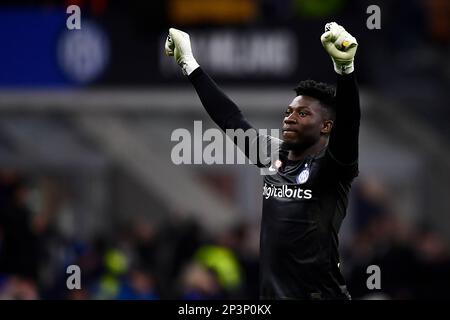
[222, 110]
[342, 46]
[343, 142]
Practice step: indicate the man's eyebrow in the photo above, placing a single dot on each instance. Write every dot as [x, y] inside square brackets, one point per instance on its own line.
[299, 107]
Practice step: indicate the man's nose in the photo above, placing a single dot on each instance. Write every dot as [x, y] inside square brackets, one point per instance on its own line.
[290, 119]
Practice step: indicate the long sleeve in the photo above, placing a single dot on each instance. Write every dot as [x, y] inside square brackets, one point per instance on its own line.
[220, 108]
[227, 115]
[343, 143]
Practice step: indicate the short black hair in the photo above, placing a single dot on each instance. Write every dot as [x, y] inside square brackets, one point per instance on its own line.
[323, 92]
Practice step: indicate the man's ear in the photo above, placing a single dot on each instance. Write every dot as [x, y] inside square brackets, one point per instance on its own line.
[327, 125]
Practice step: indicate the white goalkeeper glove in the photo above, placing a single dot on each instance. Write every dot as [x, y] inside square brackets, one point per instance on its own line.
[178, 45]
[341, 46]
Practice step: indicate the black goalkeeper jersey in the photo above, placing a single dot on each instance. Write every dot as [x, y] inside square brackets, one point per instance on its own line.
[303, 207]
[304, 201]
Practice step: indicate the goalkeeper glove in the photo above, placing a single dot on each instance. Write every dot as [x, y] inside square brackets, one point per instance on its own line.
[341, 46]
[178, 45]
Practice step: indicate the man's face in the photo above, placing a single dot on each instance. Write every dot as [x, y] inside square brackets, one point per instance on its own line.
[304, 123]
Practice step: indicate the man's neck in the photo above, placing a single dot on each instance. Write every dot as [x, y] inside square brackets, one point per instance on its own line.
[296, 154]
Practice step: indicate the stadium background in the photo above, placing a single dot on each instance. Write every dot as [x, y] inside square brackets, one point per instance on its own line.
[86, 118]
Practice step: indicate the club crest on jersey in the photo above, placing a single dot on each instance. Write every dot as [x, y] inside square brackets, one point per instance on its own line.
[303, 176]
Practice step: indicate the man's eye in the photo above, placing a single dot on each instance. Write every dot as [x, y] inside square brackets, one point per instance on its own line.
[286, 113]
[302, 114]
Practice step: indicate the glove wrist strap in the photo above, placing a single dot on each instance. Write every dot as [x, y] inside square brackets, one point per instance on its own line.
[188, 65]
[341, 68]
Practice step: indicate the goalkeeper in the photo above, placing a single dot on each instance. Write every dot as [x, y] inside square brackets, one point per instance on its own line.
[305, 201]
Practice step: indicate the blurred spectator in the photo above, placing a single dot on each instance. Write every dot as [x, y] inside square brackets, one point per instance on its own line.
[432, 277]
[138, 286]
[19, 242]
[200, 283]
[18, 288]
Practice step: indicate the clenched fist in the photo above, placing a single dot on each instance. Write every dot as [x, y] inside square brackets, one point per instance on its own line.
[341, 46]
[178, 45]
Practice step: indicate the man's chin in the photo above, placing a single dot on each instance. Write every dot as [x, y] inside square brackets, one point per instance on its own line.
[291, 145]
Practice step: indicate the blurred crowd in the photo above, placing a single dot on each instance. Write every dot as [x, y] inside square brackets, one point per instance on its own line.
[139, 260]
[178, 260]
[414, 259]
